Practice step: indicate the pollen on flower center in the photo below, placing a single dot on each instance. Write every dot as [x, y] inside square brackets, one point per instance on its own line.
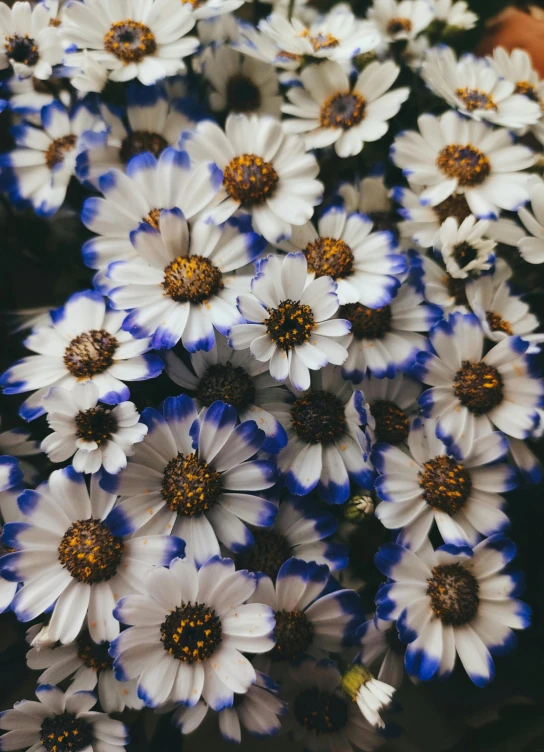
[528, 90]
[228, 383]
[464, 254]
[267, 554]
[320, 712]
[189, 486]
[21, 49]
[130, 41]
[318, 417]
[475, 99]
[192, 279]
[468, 165]
[367, 323]
[65, 733]
[153, 218]
[96, 424]
[139, 142]
[57, 150]
[454, 206]
[399, 25]
[250, 180]
[93, 655]
[90, 353]
[191, 633]
[242, 94]
[392, 424]
[321, 40]
[290, 324]
[445, 484]
[478, 387]
[342, 110]
[497, 324]
[328, 257]
[90, 552]
[294, 635]
[453, 591]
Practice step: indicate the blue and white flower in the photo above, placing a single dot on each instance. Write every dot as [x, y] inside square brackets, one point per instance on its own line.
[453, 601]
[392, 402]
[188, 632]
[399, 20]
[531, 247]
[28, 41]
[28, 95]
[437, 286]
[70, 560]
[382, 650]
[83, 342]
[463, 248]
[190, 477]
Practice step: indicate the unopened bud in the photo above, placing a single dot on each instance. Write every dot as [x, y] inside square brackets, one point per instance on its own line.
[359, 507]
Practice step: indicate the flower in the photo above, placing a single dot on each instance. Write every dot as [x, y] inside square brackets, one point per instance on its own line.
[454, 14]
[400, 20]
[437, 286]
[260, 169]
[463, 248]
[187, 632]
[453, 155]
[29, 42]
[83, 342]
[370, 694]
[532, 248]
[289, 320]
[431, 482]
[234, 377]
[132, 40]
[29, 95]
[381, 645]
[392, 402]
[183, 282]
[473, 88]
[180, 450]
[70, 560]
[472, 392]
[330, 111]
[17, 442]
[452, 601]
[95, 434]
[32, 725]
[11, 475]
[210, 9]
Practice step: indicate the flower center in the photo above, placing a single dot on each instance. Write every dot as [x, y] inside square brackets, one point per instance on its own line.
[468, 165]
[130, 41]
[93, 655]
[328, 257]
[290, 324]
[191, 633]
[318, 417]
[57, 150]
[139, 142]
[90, 552]
[21, 49]
[189, 486]
[294, 635]
[454, 594]
[320, 41]
[194, 3]
[192, 279]
[445, 484]
[320, 712]
[227, 383]
[65, 733]
[526, 88]
[392, 424]
[54, 22]
[457, 289]
[367, 323]
[96, 424]
[393, 640]
[454, 206]
[464, 254]
[242, 94]
[153, 218]
[90, 353]
[267, 555]
[342, 110]
[250, 180]
[497, 324]
[475, 99]
[399, 25]
[478, 387]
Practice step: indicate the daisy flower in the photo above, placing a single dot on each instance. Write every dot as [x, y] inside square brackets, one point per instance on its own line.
[463, 248]
[371, 197]
[28, 95]
[183, 282]
[392, 402]
[250, 41]
[364, 265]
[437, 286]
[454, 14]
[472, 87]
[453, 155]
[56, 715]
[133, 39]
[460, 493]
[183, 454]
[39, 169]
[187, 632]
[95, 434]
[381, 646]
[90, 667]
[302, 530]
[30, 42]
[386, 339]
[328, 110]
[452, 601]
[260, 169]
[234, 377]
[83, 342]
[531, 248]
[370, 694]
[472, 392]
[290, 323]
[402, 20]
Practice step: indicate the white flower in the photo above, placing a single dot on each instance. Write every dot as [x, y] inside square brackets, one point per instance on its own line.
[400, 20]
[463, 248]
[434, 283]
[392, 402]
[454, 13]
[328, 110]
[261, 169]
[29, 95]
[532, 248]
[144, 40]
[95, 434]
[290, 320]
[29, 42]
[370, 694]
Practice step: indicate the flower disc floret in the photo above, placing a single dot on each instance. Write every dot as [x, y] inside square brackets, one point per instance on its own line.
[242, 94]
[342, 110]
[90, 353]
[139, 142]
[90, 552]
[96, 424]
[466, 163]
[478, 387]
[92, 654]
[227, 383]
[497, 324]
[454, 206]
[65, 733]
[453, 591]
[190, 487]
[21, 48]
[392, 424]
[268, 553]
[57, 150]
[191, 633]
[445, 484]
[329, 257]
[130, 41]
[476, 99]
[318, 417]
[294, 635]
[192, 279]
[367, 323]
[290, 324]
[250, 180]
[320, 712]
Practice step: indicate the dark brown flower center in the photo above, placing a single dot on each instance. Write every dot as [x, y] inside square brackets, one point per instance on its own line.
[385, 221]
[318, 417]
[290, 324]
[453, 591]
[189, 486]
[367, 323]
[57, 150]
[65, 733]
[268, 553]
[342, 110]
[320, 712]
[468, 165]
[242, 94]
[394, 641]
[399, 25]
[90, 552]
[228, 383]
[453, 206]
[250, 180]
[192, 279]
[476, 99]
[93, 655]
[464, 254]
[478, 387]
[90, 353]
[294, 635]
[456, 287]
[191, 633]
[392, 424]
[21, 49]
[445, 484]
[96, 424]
[130, 41]
[328, 257]
[497, 324]
[139, 142]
